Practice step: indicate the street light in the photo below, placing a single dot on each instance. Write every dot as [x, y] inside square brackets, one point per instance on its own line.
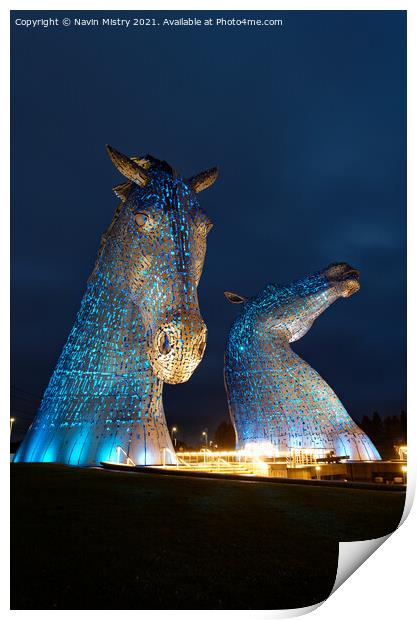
[204, 434]
[11, 425]
[174, 435]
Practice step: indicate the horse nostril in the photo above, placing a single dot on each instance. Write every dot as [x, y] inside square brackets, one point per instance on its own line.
[164, 344]
[201, 348]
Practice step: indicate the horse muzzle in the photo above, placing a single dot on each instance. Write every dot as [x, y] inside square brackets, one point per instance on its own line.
[176, 346]
[344, 278]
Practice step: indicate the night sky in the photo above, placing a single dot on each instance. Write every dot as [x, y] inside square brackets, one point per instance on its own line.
[307, 125]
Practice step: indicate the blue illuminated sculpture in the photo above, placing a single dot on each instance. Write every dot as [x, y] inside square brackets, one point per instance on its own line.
[139, 326]
[278, 404]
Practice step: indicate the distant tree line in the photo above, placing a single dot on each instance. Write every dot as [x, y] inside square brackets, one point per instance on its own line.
[386, 432]
[224, 437]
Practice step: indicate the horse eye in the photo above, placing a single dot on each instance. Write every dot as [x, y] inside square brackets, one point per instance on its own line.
[141, 219]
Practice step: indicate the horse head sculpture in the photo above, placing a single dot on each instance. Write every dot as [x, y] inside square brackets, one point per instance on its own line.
[160, 239]
[277, 402]
[139, 326]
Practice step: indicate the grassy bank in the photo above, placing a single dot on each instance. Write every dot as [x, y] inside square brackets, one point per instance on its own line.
[91, 539]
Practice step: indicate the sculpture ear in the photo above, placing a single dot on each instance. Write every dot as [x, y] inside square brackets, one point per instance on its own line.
[234, 298]
[122, 191]
[128, 167]
[203, 180]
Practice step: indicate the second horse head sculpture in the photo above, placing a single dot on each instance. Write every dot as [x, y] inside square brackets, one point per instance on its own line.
[278, 403]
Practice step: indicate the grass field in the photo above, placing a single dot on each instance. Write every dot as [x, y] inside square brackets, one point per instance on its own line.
[92, 539]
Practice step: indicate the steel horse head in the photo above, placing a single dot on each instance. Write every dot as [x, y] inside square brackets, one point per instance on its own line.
[139, 326]
[277, 402]
[159, 237]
